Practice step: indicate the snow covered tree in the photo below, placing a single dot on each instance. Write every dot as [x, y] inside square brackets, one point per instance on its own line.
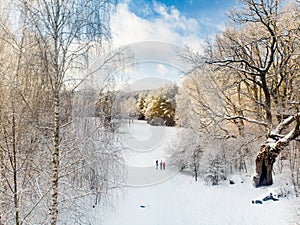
[52, 29]
[140, 107]
[160, 107]
[184, 108]
[23, 121]
[186, 152]
[159, 103]
[104, 108]
[252, 69]
[294, 166]
[43, 159]
[215, 171]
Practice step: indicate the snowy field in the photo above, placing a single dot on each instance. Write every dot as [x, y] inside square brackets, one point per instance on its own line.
[155, 197]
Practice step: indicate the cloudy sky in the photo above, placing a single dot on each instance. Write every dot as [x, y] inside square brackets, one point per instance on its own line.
[173, 23]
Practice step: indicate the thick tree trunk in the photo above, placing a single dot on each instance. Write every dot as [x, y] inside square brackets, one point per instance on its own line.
[275, 144]
[264, 166]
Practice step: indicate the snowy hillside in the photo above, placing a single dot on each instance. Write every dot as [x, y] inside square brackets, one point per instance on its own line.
[158, 197]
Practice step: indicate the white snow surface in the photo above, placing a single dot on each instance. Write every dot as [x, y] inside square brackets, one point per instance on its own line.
[158, 197]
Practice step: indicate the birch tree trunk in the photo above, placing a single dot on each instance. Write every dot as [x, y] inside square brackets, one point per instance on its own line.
[55, 161]
[3, 188]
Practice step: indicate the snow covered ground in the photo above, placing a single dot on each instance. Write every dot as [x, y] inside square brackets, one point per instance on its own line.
[155, 197]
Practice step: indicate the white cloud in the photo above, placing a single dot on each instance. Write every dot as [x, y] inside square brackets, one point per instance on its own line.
[169, 26]
[156, 41]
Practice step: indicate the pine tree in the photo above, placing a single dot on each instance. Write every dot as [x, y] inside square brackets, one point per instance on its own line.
[140, 105]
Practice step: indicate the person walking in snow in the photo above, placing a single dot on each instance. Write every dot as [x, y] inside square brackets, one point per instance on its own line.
[156, 162]
[164, 165]
[160, 164]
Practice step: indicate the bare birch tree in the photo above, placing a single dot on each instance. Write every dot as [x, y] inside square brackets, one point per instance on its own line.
[18, 140]
[65, 31]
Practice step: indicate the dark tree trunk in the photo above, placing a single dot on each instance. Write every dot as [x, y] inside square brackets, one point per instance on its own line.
[264, 166]
[275, 144]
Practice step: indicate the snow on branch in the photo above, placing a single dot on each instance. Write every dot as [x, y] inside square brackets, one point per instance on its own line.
[284, 139]
[246, 119]
[228, 62]
[285, 123]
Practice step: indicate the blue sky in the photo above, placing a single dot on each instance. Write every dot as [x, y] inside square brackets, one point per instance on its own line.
[192, 8]
[210, 14]
[185, 20]
[179, 23]
[204, 11]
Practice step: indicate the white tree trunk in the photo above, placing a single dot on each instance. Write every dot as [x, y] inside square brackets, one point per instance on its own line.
[55, 160]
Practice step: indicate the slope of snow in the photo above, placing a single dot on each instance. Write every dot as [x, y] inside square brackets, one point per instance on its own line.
[155, 197]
